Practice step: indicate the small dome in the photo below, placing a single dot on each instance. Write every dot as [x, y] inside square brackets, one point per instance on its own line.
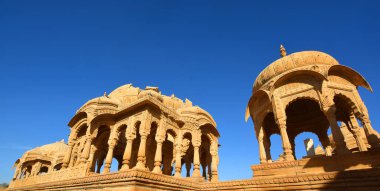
[53, 150]
[125, 94]
[101, 101]
[196, 112]
[292, 61]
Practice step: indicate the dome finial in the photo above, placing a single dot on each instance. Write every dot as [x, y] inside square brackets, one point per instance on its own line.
[105, 94]
[282, 51]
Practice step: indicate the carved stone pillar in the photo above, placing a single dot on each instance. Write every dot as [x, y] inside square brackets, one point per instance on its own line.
[288, 153]
[196, 160]
[109, 157]
[86, 150]
[372, 138]
[90, 161]
[260, 138]
[354, 125]
[141, 158]
[127, 155]
[196, 171]
[267, 148]
[130, 135]
[338, 137]
[158, 158]
[67, 157]
[214, 162]
[178, 164]
[144, 131]
[160, 138]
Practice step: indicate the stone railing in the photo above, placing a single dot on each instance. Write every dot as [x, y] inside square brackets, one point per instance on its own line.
[64, 174]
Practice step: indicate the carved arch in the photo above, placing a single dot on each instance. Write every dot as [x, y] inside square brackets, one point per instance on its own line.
[303, 72]
[300, 97]
[77, 128]
[350, 102]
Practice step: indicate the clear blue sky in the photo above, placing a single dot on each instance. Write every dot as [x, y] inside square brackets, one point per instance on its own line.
[56, 55]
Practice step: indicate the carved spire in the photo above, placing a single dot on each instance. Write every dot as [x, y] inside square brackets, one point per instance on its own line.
[282, 51]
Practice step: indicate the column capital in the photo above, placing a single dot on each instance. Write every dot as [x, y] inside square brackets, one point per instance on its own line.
[112, 145]
[329, 110]
[160, 135]
[281, 122]
[197, 143]
[130, 136]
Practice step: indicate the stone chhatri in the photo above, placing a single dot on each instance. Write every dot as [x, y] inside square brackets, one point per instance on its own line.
[163, 143]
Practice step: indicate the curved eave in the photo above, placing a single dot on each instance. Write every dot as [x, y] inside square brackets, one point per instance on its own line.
[198, 114]
[254, 96]
[247, 110]
[355, 76]
[76, 118]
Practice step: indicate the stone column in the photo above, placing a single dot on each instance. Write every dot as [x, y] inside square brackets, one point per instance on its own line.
[372, 138]
[288, 153]
[130, 135]
[109, 157]
[141, 158]
[67, 157]
[127, 155]
[86, 150]
[356, 132]
[158, 158]
[338, 137]
[178, 164]
[196, 170]
[160, 138]
[144, 131]
[260, 138]
[267, 149]
[90, 161]
[197, 141]
[214, 162]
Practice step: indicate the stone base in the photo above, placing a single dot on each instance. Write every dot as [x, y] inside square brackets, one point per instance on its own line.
[135, 180]
[358, 171]
[318, 164]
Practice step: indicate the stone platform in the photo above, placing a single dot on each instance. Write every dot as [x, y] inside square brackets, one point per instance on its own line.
[135, 180]
[319, 164]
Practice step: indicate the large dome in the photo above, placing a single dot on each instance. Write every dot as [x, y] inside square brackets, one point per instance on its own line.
[290, 62]
[127, 95]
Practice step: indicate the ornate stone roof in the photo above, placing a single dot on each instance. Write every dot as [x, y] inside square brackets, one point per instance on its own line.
[126, 95]
[292, 61]
[53, 150]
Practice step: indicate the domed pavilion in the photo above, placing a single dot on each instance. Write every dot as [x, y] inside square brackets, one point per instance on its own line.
[310, 91]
